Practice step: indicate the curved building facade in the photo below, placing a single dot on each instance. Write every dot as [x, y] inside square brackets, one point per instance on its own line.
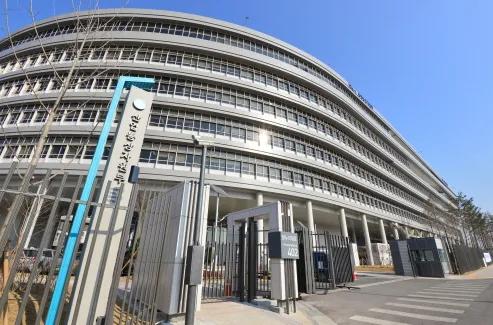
[284, 125]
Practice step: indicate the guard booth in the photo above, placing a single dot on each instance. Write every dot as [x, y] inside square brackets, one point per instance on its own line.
[423, 257]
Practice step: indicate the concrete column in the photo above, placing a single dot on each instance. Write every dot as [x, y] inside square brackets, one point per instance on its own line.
[406, 232]
[260, 223]
[353, 232]
[396, 231]
[366, 233]
[342, 222]
[382, 232]
[309, 212]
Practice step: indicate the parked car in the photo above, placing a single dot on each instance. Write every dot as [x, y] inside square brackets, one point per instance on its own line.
[43, 264]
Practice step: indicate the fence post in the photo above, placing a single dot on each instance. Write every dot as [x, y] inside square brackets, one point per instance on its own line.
[5, 273]
[241, 263]
[331, 258]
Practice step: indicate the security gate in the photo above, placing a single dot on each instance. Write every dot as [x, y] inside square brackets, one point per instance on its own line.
[236, 265]
[327, 261]
[147, 284]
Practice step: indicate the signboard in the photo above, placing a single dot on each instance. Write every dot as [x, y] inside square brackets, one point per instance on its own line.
[124, 154]
[283, 245]
[487, 257]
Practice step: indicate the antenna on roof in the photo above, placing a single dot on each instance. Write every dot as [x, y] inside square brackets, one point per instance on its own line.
[246, 20]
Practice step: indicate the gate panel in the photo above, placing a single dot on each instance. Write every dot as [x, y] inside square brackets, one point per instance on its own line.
[149, 285]
[327, 261]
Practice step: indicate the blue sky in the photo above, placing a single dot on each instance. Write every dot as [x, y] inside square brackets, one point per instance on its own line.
[425, 65]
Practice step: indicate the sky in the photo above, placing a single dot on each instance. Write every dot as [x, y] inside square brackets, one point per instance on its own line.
[426, 66]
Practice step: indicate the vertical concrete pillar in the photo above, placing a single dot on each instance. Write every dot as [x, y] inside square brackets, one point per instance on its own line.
[309, 212]
[354, 239]
[382, 232]
[260, 223]
[406, 232]
[342, 222]
[366, 233]
[396, 231]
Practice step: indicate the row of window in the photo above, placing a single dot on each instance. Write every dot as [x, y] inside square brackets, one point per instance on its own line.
[188, 30]
[173, 119]
[218, 159]
[227, 97]
[68, 149]
[204, 123]
[203, 62]
[181, 155]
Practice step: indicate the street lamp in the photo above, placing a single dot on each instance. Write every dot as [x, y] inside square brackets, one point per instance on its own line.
[195, 252]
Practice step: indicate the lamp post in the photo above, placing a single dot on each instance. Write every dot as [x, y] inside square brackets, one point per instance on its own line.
[195, 251]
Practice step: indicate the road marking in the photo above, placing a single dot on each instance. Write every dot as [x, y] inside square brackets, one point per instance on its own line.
[446, 293]
[436, 302]
[458, 289]
[462, 286]
[451, 290]
[444, 310]
[414, 315]
[440, 297]
[377, 321]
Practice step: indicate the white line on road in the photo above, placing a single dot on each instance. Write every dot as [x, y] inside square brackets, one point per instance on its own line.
[474, 286]
[451, 290]
[446, 293]
[458, 289]
[377, 321]
[414, 315]
[440, 297]
[444, 310]
[436, 302]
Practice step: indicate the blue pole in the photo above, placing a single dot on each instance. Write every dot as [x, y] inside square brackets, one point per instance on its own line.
[70, 247]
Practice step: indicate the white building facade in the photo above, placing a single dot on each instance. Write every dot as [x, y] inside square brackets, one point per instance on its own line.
[284, 125]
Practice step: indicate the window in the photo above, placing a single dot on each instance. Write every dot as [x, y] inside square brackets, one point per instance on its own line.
[57, 151]
[89, 153]
[148, 156]
[287, 176]
[275, 173]
[26, 117]
[88, 116]
[262, 171]
[73, 152]
[71, 116]
[10, 152]
[25, 152]
[247, 168]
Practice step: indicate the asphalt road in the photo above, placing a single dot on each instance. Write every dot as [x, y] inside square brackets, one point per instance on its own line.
[396, 301]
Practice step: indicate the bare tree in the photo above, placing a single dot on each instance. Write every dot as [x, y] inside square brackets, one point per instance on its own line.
[84, 29]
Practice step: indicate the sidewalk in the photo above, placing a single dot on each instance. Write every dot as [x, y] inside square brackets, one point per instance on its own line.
[483, 273]
[233, 312]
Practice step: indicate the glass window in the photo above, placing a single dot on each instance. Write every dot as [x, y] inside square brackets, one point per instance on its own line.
[57, 151]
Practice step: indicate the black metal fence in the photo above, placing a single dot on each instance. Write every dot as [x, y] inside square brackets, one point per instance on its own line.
[467, 258]
[35, 224]
[325, 261]
[220, 264]
[232, 269]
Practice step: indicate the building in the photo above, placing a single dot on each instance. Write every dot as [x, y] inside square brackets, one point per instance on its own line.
[285, 125]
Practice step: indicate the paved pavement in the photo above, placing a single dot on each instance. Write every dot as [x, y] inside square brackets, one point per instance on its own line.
[468, 300]
[233, 312]
[378, 299]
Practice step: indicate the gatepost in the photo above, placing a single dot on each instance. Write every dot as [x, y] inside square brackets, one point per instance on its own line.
[96, 271]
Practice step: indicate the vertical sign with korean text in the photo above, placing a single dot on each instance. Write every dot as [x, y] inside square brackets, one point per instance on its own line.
[125, 152]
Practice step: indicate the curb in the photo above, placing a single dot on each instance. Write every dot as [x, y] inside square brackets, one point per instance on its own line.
[314, 314]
